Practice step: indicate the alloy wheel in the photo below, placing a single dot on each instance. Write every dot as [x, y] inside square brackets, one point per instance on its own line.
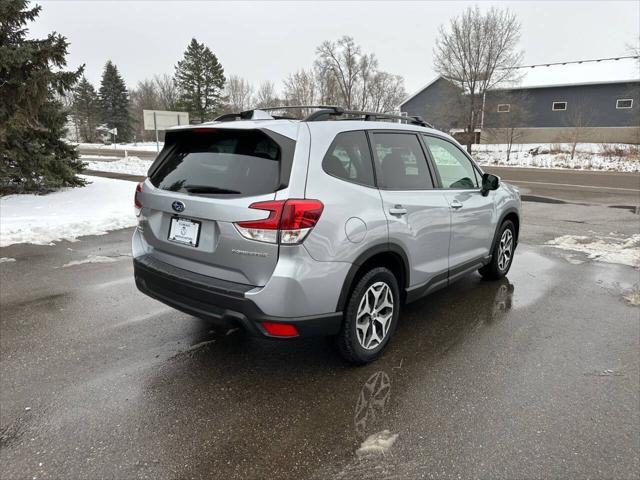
[505, 250]
[374, 315]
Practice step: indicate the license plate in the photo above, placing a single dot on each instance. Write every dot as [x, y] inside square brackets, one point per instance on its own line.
[184, 231]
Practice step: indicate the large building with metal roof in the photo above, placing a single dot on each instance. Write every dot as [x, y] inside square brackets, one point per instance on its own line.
[589, 101]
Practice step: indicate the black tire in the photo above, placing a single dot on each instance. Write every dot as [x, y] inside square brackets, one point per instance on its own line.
[349, 345]
[494, 270]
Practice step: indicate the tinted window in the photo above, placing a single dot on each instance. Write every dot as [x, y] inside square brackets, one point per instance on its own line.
[349, 158]
[215, 162]
[455, 169]
[400, 162]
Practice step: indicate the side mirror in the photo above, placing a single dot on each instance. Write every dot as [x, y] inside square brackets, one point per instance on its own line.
[489, 182]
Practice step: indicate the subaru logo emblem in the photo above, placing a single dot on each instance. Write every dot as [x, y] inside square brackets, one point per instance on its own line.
[178, 206]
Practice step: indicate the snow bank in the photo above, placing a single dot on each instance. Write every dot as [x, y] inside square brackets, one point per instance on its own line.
[130, 165]
[103, 205]
[139, 146]
[610, 249]
[589, 156]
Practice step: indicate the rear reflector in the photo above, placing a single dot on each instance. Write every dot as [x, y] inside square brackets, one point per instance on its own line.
[280, 329]
[289, 221]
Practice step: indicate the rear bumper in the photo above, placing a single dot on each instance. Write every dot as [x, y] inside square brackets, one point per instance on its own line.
[221, 301]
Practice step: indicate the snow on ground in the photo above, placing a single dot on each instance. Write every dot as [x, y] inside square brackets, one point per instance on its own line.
[95, 259]
[609, 249]
[377, 443]
[632, 298]
[103, 205]
[130, 165]
[7, 259]
[138, 146]
[589, 156]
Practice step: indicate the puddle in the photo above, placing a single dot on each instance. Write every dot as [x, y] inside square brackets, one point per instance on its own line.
[533, 275]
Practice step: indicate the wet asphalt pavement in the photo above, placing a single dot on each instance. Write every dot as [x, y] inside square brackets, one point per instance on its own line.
[534, 376]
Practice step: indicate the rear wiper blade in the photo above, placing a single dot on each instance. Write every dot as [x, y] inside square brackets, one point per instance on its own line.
[207, 189]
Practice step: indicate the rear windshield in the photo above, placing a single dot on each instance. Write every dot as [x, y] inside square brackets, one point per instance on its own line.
[220, 162]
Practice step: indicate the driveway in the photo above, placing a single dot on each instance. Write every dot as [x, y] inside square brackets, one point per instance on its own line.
[534, 376]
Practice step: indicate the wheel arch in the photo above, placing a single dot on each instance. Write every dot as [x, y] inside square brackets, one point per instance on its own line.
[390, 255]
[509, 214]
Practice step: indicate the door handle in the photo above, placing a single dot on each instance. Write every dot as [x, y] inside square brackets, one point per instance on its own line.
[398, 210]
[456, 205]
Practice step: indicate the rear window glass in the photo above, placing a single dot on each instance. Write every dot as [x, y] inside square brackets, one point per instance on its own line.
[349, 158]
[220, 162]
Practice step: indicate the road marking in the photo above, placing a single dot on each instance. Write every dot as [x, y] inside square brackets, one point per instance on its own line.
[577, 186]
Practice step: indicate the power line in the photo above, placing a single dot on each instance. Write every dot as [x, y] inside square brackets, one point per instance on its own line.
[594, 60]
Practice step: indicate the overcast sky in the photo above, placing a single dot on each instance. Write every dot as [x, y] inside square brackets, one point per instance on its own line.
[268, 40]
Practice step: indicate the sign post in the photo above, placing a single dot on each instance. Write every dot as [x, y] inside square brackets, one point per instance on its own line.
[155, 126]
[114, 132]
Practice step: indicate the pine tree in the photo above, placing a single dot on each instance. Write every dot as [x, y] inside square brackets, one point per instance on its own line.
[200, 80]
[33, 156]
[86, 110]
[114, 102]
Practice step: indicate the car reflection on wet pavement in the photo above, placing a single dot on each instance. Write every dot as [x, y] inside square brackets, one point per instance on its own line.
[482, 380]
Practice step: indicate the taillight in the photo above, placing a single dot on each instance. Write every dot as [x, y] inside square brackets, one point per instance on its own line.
[289, 221]
[136, 200]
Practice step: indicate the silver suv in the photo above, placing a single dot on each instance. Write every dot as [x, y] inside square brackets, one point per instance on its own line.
[320, 226]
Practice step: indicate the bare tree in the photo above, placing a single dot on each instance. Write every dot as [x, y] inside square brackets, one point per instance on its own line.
[579, 119]
[385, 93]
[343, 61]
[342, 75]
[477, 52]
[634, 49]
[506, 113]
[300, 88]
[266, 95]
[239, 93]
[167, 91]
[328, 92]
[143, 97]
[68, 101]
[368, 75]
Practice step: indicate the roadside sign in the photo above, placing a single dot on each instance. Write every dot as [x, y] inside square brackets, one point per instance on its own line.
[163, 119]
[113, 131]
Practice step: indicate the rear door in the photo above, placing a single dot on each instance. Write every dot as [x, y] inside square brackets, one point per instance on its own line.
[471, 212]
[418, 215]
[205, 180]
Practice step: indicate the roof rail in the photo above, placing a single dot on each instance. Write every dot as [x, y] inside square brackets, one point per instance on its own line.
[325, 112]
[330, 112]
[251, 114]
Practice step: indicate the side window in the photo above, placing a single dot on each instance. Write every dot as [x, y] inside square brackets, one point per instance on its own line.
[349, 158]
[455, 169]
[400, 162]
